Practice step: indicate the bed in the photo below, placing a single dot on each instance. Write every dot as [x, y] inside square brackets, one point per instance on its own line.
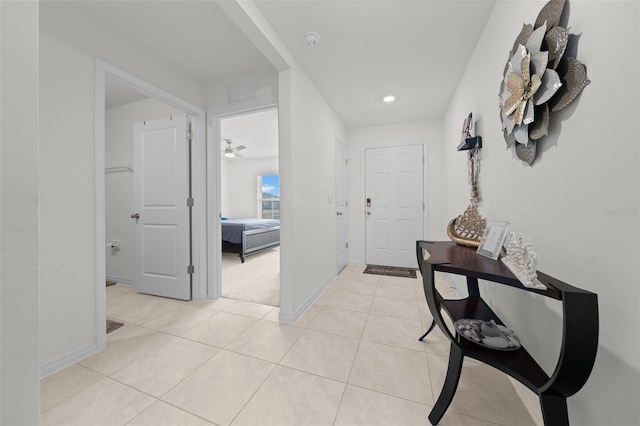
[249, 236]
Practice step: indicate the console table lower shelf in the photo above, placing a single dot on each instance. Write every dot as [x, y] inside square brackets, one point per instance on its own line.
[580, 329]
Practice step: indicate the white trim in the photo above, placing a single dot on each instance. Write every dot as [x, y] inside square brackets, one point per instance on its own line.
[199, 288]
[363, 195]
[345, 149]
[361, 204]
[425, 192]
[99, 191]
[120, 280]
[528, 398]
[199, 192]
[452, 285]
[214, 176]
[70, 358]
[312, 298]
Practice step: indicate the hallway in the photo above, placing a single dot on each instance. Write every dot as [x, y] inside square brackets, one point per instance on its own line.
[352, 359]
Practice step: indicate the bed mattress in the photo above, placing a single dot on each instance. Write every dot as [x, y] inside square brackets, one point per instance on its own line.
[232, 229]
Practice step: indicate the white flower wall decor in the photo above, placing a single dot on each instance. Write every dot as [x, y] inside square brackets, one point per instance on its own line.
[539, 78]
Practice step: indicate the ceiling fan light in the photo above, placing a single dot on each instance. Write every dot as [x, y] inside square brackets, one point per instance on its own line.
[229, 154]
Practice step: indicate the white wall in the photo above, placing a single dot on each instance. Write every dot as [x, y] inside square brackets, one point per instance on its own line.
[74, 26]
[426, 133]
[67, 245]
[119, 139]
[242, 185]
[19, 328]
[67, 270]
[308, 130]
[589, 168]
[266, 93]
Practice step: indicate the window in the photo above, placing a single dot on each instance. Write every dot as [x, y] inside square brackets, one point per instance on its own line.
[269, 197]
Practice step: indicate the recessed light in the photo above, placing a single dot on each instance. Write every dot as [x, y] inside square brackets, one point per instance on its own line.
[389, 98]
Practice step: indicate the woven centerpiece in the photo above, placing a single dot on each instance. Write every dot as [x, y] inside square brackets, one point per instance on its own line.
[467, 229]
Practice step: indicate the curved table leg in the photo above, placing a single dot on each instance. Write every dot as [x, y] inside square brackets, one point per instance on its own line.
[450, 385]
[431, 327]
[554, 409]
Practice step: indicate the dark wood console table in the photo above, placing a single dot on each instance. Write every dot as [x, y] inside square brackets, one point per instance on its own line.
[579, 339]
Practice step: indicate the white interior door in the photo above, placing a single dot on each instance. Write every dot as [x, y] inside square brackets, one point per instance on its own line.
[342, 210]
[394, 204]
[161, 175]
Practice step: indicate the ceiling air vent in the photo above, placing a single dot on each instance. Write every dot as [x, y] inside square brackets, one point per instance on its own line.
[242, 90]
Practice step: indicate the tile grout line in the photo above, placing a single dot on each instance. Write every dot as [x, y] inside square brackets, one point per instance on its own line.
[355, 357]
[277, 364]
[76, 393]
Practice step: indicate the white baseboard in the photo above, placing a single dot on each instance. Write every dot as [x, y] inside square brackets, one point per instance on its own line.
[298, 312]
[122, 280]
[68, 359]
[530, 401]
[452, 284]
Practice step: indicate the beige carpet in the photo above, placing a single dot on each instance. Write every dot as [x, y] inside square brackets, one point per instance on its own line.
[256, 280]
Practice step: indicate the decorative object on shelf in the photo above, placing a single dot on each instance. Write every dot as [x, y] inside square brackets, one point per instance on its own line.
[472, 144]
[522, 260]
[492, 239]
[579, 329]
[467, 141]
[468, 227]
[537, 82]
[487, 334]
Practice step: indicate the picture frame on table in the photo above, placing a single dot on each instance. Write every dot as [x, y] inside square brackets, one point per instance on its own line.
[493, 238]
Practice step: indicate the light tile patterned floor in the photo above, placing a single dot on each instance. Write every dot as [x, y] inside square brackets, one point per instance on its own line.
[352, 359]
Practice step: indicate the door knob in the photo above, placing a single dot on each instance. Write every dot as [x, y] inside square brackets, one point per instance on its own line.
[368, 213]
[339, 213]
[135, 216]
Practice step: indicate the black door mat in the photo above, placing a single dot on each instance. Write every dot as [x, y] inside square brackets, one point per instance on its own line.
[113, 325]
[392, 271]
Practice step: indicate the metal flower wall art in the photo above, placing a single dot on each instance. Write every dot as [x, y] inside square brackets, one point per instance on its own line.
[539, 78]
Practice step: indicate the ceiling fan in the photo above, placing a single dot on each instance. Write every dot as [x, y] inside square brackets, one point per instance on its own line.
[231, 151]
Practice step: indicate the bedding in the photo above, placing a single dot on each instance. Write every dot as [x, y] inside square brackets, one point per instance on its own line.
[232, 229]
[248, 236]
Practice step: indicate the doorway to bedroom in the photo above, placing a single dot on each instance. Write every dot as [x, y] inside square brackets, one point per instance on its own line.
[250, 206]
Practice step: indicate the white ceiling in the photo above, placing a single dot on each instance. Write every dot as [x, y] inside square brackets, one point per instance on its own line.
[194, 35]
[117, 94]
[258, 131]
[414, 49]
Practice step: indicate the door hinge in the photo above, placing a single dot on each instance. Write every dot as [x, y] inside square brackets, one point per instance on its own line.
[189, 135]
[346, 204]
[191, 269]
[346, 245]
[190, 202]
[346, 161]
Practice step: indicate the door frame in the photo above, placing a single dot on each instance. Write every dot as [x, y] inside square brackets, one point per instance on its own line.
[363, 195]
[345, 184]
[214, 177]
[104, 70]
